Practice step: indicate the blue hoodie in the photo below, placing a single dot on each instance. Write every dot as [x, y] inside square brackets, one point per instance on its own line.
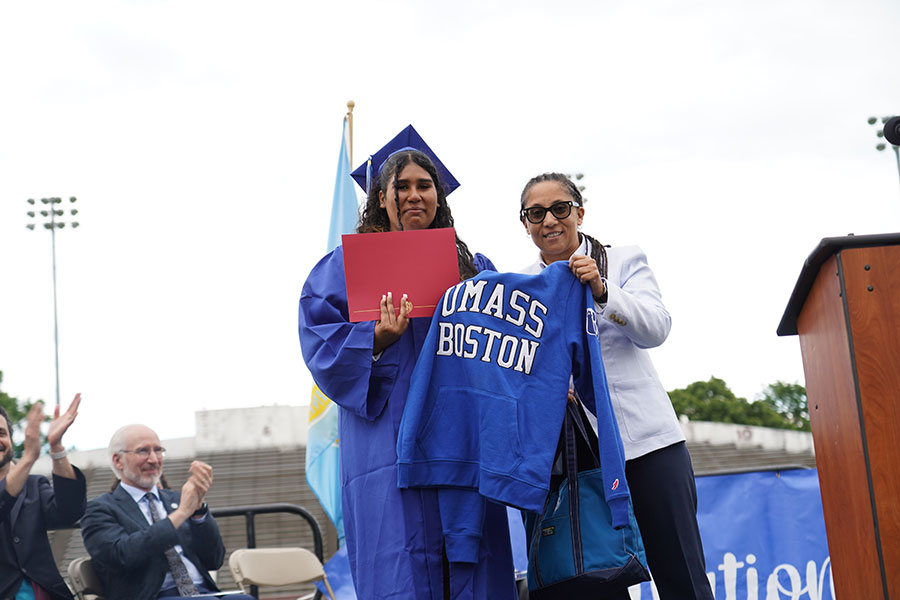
[488, 394]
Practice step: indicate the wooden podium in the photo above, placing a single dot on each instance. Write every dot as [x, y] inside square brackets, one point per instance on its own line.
[846, 309]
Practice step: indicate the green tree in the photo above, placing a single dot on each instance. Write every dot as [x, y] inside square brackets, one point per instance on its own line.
[789, 401]
[16, 412]
[713, 401]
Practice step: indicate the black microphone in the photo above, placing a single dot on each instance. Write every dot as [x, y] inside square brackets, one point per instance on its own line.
[892, 131]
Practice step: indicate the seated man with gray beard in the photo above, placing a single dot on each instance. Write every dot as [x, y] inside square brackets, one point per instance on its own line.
[149, 543]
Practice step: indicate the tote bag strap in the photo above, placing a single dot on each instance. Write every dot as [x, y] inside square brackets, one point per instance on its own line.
[588, 456]
[570, 451]
[575, 438]
[582, 431]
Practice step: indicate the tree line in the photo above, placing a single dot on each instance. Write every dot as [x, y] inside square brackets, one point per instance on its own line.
[16, 412]
[780, 405]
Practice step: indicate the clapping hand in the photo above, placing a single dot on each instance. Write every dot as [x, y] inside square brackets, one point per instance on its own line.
[202, 477]
[18, 474]
[60, 424]
[191, 498]
[33, 432]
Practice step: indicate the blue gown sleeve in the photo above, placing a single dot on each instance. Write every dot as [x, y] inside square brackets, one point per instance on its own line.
[337, 352]
[483, 263]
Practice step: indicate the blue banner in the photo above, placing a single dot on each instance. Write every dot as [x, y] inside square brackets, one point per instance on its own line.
[763, 536]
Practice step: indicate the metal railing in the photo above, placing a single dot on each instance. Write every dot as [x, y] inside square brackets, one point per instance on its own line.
[249, 513]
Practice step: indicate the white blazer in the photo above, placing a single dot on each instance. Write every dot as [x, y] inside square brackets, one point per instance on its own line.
[632, 320]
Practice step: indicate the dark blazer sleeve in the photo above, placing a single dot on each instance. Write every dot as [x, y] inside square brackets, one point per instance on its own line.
[65, 503]
[36, 509]
[6, 501]
[62, 505]
[201, 540]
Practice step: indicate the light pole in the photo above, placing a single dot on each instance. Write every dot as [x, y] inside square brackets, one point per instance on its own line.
[880, 146]
[576, 179]
[52, 223]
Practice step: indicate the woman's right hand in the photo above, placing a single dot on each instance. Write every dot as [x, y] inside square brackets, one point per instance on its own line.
[391, 326]
[586, 270]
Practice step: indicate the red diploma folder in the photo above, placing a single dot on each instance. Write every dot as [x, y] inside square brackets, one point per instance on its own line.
[421, 264]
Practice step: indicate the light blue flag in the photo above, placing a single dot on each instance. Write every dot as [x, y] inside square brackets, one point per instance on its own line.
[345, 209]
[322, 444]
[323, 457]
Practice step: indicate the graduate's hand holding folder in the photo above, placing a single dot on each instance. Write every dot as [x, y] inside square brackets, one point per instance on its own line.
[414, 267]
[391, 326]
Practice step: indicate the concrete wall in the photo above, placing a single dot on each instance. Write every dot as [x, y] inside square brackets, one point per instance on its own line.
[251, 428]
[217, 430]
[747, 436]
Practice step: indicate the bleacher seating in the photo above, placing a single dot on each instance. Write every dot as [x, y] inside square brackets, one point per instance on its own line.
[711, 459]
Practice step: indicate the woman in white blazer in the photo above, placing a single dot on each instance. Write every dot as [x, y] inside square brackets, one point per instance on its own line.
[632, 319]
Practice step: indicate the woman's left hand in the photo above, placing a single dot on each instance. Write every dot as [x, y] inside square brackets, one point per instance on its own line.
[585, 269]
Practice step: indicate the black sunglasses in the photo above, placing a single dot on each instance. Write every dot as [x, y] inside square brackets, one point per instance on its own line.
[559, 210]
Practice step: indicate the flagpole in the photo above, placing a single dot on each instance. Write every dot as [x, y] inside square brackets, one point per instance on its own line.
[350, 105]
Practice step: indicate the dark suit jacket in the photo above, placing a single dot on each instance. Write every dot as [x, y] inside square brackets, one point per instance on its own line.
[128, 553]
[24, 521]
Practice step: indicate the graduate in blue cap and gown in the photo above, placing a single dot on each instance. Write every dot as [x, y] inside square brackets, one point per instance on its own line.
[394, 538]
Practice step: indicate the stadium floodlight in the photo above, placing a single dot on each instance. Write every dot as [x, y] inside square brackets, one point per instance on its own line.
[54, 220]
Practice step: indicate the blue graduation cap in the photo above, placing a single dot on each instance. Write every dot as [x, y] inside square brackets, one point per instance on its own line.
[408, 139]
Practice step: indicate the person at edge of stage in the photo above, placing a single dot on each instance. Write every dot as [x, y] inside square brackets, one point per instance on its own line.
[632, 318]
[394, 536]
[29, 506]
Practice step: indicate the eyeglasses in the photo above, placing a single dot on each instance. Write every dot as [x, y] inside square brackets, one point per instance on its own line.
[560, 210]
[145, 452]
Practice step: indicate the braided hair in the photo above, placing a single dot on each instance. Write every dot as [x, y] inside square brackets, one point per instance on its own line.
[598, 250]
[374, 218]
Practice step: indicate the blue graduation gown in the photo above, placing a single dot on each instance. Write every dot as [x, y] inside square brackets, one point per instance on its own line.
[393, 536]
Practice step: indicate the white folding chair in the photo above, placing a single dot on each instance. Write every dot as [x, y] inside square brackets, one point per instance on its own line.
[276, 567]
[85, 583]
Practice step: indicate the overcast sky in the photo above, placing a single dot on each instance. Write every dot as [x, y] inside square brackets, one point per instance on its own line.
[201, 139]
